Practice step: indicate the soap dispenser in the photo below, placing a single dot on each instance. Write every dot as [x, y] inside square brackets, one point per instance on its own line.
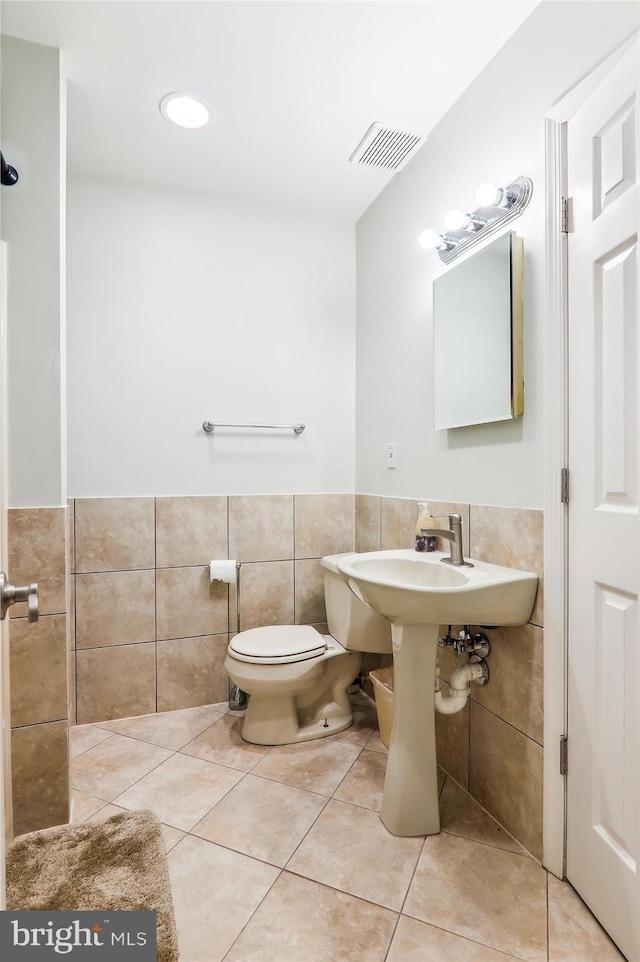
[425, 542]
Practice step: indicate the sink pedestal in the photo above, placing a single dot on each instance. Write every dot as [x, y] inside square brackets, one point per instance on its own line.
[417, 593]
[410, 798]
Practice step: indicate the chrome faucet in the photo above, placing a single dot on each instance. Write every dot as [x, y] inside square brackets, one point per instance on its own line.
[454, 535]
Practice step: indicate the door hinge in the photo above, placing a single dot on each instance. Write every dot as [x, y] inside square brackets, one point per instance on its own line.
[564, 754]
[566, 219]
[564, 486]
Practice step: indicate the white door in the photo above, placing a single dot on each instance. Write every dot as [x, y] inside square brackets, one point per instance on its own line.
[603, 803]
[5, 721]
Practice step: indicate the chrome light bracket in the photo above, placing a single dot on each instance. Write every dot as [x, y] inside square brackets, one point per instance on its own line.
[518, 195]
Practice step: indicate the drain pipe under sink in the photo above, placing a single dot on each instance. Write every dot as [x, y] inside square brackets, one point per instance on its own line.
[460, 686]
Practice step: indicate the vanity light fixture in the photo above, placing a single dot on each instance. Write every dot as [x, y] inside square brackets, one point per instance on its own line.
[458, 220]
[185, 110]
[432, 241]
[497, 207]
[488, 195]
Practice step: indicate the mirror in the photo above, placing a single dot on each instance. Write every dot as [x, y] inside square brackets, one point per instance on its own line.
[477, 338]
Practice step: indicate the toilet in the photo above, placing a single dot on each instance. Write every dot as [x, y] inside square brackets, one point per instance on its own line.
[298, 678]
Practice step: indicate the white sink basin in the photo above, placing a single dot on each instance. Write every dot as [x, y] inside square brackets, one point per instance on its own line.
[416, 592]
[411, 588]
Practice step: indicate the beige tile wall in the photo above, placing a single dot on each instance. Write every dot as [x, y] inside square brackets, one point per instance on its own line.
[38, 542]
[40, 776]
[494, 747]
[150, 630]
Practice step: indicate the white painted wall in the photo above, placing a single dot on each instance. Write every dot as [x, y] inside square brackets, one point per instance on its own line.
[495, 132]
[33, 224]
[183, 308]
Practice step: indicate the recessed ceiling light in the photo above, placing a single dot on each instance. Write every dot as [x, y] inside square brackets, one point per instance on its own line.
[185, 110]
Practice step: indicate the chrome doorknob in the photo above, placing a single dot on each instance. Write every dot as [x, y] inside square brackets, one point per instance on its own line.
[10, 595]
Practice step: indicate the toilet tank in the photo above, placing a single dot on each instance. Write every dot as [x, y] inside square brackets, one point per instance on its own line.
[351, 622]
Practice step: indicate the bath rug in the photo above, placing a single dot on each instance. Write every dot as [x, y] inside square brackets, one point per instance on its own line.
[116, 864]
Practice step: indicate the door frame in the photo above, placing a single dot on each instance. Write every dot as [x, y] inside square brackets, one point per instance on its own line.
[556, 428]
[6, 814]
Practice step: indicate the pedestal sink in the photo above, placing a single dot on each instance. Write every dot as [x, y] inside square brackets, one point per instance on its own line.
[417, 593]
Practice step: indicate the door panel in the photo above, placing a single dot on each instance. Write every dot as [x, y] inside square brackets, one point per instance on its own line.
[614, 394]
[603, 801]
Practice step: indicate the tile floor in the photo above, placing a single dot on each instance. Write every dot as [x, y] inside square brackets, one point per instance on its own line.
[279, 854]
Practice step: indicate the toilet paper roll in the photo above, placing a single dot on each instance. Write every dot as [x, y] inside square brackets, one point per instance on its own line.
[223, 571]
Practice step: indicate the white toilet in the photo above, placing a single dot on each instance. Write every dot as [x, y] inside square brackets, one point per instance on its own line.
[298, 678]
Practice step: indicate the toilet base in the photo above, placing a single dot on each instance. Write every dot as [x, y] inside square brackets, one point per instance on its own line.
[278, 721]
[296, 701]
[300, 701]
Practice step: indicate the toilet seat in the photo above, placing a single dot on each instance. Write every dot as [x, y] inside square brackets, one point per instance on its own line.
[278, 644]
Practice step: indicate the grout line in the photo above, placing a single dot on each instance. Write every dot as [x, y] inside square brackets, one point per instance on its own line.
[74, 562]
[85, 821]
[256, 858]
[500, 718]
[306, 834]
[174, 751]
[150, 641]
[527, 854]
[112, 801]
[74, 655]
[335, 888]
[74, 651]
[413, 875]
[328, 799]
[444, 782]
[293, 545]
[478, 841]
[191, 831]
[393, 935]
[346, 775]
[184, 835]
[293, 521]
[363, 808]
[226, 955]
[268, 778]
[508, 953]
[281, 869]
[468, 744]
[53, 721]
[146, 741]
[114, 571]
[295, 609]
[42, 614]
[201, 564]
[271, 778]
[546, 893]
[79, 754]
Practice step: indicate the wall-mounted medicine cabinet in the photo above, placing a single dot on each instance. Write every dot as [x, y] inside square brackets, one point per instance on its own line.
[477, 337]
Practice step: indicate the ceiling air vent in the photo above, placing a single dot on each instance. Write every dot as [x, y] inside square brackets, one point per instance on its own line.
[385, 147]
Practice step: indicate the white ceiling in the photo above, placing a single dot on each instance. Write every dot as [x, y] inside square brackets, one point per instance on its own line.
[294, 86]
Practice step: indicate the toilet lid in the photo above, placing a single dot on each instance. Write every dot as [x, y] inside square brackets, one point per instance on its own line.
[278, 644]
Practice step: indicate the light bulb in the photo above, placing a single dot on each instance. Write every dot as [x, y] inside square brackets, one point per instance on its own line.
[457, 220]
[488, 195]
[184, 110]
[430, 240]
